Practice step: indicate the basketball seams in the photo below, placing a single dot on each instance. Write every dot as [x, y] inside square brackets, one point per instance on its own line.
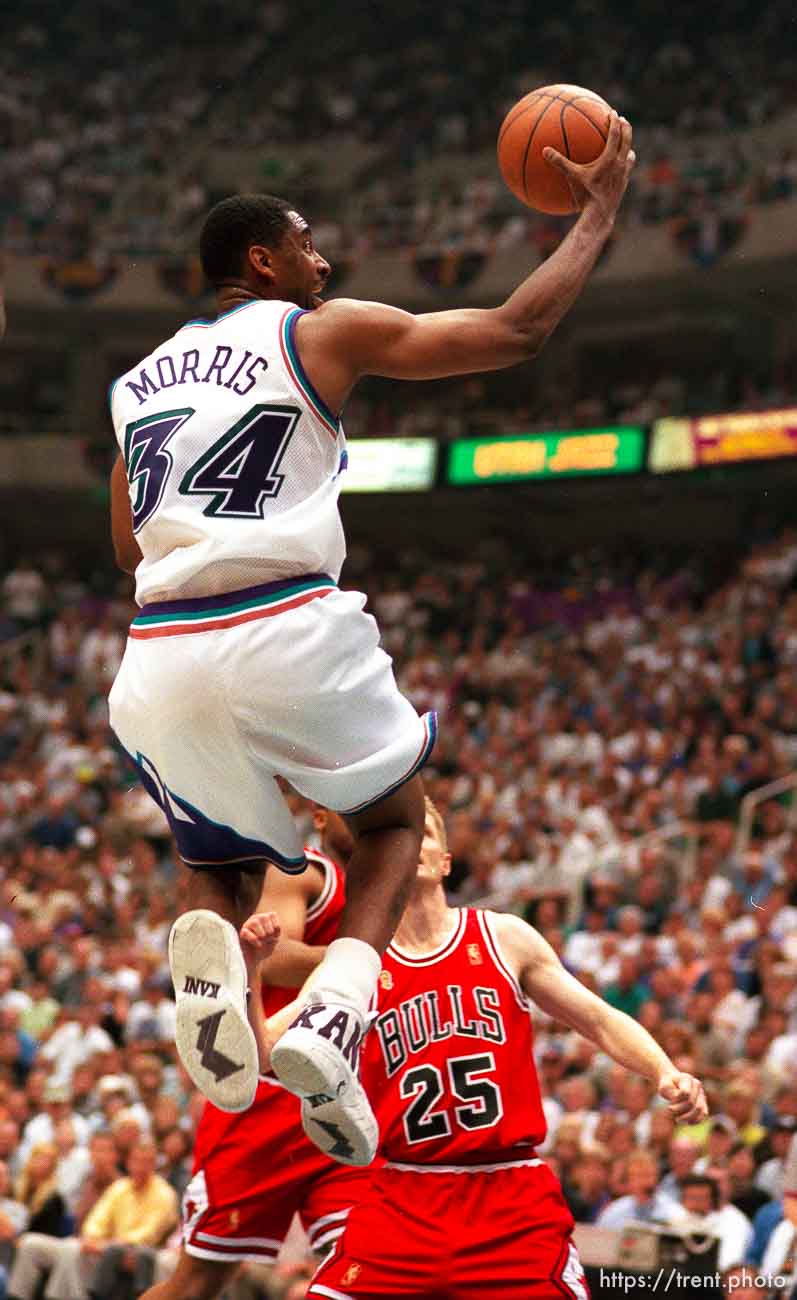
[522, 108]
[587, 117]
[563, 129]
[532, 133]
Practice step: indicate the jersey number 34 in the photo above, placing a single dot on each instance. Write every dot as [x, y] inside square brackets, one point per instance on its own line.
[238, 472]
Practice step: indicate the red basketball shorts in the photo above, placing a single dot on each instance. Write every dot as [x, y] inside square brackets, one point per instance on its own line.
[456, 1236]
[252, 1173]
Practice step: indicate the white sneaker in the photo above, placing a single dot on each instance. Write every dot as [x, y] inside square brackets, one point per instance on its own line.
[316, 1058]
[214, 1037]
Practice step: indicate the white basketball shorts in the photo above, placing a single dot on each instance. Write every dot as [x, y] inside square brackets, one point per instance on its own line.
[216, 696]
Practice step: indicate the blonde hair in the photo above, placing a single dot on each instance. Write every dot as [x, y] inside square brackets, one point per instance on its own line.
[34, 1195]
[436, 818]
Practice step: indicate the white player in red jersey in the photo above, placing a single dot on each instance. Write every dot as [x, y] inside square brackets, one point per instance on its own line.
[253, 1171]
[463, 1207]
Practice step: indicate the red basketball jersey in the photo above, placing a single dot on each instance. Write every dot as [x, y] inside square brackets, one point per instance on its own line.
[321, 921]
[448, 1064]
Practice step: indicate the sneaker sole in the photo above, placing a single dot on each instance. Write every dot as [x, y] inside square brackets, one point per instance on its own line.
[213, 1035]
[336, 1113]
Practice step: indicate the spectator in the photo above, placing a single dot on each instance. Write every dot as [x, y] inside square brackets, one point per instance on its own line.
[682, 1157]
[770, 1175]
[13, 1218]
[153, 1019]
[627, 994]
[744, 1194]
[42, 1128]
[138, 1210]
[644, 1201]
[589, 1186]
[37, 1190]
[705, 1196]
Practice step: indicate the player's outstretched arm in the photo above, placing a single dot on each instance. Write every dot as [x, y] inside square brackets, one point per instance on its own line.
[543, 977]
[126, 548]
[289, 897]
[345, 339]
[259, 936]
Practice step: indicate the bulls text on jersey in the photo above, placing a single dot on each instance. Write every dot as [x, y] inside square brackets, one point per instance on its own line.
[437, 1014]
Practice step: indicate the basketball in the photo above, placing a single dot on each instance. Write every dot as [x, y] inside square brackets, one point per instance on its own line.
[571, 120]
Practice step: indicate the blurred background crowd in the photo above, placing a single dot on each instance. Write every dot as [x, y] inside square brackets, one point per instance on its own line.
[602, 727]
[110, 118]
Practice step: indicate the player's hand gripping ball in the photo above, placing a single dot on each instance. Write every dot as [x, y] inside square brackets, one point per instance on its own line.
[569, 119]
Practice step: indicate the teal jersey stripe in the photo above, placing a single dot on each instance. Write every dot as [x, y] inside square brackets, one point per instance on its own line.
[201, 320]
[312, 395]
[204, 615]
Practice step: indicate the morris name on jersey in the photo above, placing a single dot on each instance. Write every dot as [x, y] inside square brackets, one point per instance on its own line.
[222, 366]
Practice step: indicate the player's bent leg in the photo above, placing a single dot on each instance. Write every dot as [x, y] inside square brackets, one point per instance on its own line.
[317, 1057]
[213, 1034]
[382, 868]
[193, 1279]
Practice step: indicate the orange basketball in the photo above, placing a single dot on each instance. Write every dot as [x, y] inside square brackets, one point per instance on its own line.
[567, 118]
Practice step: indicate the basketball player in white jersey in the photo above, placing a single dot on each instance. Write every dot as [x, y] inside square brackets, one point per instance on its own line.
[246, 662]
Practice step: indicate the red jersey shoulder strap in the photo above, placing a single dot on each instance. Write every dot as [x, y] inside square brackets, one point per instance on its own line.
[328, 889]
[486, 921]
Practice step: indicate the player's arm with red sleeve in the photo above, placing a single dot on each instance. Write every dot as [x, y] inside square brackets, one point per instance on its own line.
[345, 339]
[126, 548]
[560, 995]
[292, 963]
[290, 896]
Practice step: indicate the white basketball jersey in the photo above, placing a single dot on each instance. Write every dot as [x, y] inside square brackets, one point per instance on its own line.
[233, 461]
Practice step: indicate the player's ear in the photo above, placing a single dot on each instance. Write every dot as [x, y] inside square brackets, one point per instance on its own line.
[446, 864]
[261, 261]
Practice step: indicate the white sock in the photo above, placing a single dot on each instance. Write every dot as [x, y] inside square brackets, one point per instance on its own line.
[350, 968]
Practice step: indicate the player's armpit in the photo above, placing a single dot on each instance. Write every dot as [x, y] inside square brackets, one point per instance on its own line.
[561, 996]
[543, 977]
[126, 548]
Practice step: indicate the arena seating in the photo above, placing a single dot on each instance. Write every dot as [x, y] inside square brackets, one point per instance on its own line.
[603, 719]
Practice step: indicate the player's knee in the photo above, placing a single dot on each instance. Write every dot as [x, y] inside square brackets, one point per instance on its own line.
[201, 1288]
[402, 811]
[198, 1279]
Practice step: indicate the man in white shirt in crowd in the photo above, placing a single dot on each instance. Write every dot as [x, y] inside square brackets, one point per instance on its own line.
[43, 1127]
[705, 1197]
[153, 1018]
[645, 1202]
[771, 1176]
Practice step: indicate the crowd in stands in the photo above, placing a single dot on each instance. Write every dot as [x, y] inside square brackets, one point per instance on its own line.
[108, 116]
[489, 405]
[603, 717]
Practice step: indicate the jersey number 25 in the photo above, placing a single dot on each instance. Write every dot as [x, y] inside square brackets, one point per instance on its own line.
[480, 1104]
